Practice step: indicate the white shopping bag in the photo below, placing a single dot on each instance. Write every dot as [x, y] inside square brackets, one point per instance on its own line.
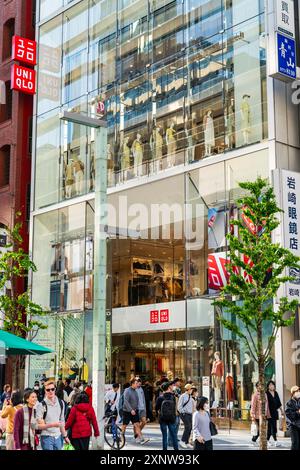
[253, 429]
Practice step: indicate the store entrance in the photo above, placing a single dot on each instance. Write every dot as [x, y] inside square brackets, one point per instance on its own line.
[149, 355]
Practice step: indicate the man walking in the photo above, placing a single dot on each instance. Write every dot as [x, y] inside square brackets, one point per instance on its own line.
[50, 417]
[111, 399]
[166, 409]
[142, 405]
[185, 408]
[131, 411]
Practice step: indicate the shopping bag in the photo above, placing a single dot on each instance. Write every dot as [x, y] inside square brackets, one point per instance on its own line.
[68, 447]
[253, 429]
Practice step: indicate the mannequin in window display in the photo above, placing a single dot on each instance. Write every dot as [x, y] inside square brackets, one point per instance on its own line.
[156, 145]
[125, 159]
[110, 165]
[246, 115]
[78, 166]
[231, 124]
[209, 132]
[70, 179]
[137, 152]
[248, 371]
[171, 144]
[158, 289]
[217, 374]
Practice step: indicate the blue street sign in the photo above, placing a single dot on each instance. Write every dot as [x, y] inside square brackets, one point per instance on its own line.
[286, 51]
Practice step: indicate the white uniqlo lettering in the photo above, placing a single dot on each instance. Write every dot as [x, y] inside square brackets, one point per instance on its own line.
[20, 48]
[30, 51]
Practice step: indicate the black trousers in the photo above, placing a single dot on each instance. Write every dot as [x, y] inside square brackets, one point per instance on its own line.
[272, 428]
[81, 443]
[188, 424]
[295, 436]
[208, 445]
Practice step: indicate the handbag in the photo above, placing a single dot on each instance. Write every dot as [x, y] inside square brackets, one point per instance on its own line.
[213, 428]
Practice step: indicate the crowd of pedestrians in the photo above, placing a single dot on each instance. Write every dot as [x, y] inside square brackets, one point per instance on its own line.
[52, 415]
[49, 416]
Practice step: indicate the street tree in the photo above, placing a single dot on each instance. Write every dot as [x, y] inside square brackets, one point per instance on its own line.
[19, 314]
[257, 268]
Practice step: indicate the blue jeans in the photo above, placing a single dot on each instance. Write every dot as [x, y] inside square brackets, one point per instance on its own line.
[164, 427]
[52, 443]
[177, 423]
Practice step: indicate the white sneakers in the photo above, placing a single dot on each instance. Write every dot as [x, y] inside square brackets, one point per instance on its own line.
[183, 445]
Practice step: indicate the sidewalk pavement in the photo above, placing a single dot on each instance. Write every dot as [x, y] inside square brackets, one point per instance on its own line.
[235, 440]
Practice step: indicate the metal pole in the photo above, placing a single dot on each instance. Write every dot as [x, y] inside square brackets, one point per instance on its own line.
[100, 253]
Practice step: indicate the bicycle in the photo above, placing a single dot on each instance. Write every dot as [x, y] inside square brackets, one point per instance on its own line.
[112, 432]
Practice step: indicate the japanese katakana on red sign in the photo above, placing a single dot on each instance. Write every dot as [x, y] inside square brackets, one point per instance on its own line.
[154, 316]
[24, 50]
[23, 79]
[164, 316]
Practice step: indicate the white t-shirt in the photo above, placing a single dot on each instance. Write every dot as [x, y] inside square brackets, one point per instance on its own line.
[111, 396]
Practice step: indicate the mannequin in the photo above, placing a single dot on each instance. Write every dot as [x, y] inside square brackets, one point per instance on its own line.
[209, 132]
[158, 290]
[230, 125]
[78, 166]
[171, 144]
[245, 114]
[137, 151]
[156, 144]
[217, 373]
[229, 389]
[69, 170]
[248, 370]
[125, 159]
[110, 165]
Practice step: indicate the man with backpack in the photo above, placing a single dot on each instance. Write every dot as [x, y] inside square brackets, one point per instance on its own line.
[50, 418]
[111, 399]
[185, 408]
[166, 409]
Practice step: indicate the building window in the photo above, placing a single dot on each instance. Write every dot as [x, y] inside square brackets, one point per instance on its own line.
[8, 33]
[6, 109]
[4, 165]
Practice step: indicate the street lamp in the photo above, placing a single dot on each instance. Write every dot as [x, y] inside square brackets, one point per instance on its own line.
[100, 252]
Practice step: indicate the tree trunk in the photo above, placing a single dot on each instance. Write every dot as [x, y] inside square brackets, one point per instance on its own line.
[262, 391]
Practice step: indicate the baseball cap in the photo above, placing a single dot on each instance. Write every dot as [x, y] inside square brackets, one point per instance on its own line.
[165, 386]
[189, 386]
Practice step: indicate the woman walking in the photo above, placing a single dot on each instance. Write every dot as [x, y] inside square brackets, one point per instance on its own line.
[80, 422]
[25, 423]
[274, 405]
[9, 410]
[256, 411]
[6, 394]
[201, 426]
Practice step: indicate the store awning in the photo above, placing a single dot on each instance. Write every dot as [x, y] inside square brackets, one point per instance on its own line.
[14, 345]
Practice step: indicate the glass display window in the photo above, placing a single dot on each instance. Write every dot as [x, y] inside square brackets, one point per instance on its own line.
[102, 53]
[64, 257]
[47, 159]
[49, 70]
[75, 48]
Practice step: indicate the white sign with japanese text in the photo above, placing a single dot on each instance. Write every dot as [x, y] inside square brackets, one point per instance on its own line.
[285, 17]
[287, 186]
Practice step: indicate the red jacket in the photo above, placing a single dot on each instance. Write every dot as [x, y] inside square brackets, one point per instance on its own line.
[80, 420]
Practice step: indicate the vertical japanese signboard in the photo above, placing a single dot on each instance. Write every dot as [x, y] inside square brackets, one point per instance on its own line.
[23, 78]
[287, 187]
[282, 41]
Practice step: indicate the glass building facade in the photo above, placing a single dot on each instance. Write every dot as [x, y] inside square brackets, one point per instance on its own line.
[183, 87]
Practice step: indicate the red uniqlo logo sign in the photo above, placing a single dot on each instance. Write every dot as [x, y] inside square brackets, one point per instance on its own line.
[154, 316]
[23, 79]
[161, 316]
[24, 50]
[164, 316]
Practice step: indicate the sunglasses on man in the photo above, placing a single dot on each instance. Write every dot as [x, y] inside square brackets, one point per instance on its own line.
[50, 389]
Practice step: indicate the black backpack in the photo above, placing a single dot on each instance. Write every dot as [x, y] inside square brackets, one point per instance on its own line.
[168, 410]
